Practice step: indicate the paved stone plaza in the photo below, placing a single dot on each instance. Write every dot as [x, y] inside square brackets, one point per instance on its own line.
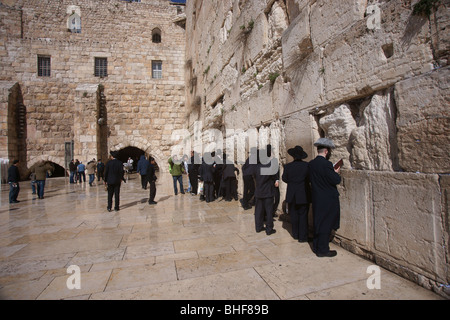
[181, 248]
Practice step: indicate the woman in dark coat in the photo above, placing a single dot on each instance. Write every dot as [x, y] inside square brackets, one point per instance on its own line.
[325, 197]
[298, 197]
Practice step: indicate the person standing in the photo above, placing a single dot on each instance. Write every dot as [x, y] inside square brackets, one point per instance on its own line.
[114, 175]
[193, 169]
[151, 176]
[13, 181]
[249, 182]
[41, 175]
[176, 170]
[91, 171]
[73, 172]
[325, 197]
[77, 175]
[81, 168]
[207, 176]
[100, 169]
[298, 193]
[265, 184]
[142, 168]
[229, 180]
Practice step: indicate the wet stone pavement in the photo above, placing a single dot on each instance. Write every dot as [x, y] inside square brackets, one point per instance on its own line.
[179, 249]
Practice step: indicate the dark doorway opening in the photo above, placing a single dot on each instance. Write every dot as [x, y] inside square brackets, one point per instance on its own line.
[58, 172]
[130, 153]
[133, 153]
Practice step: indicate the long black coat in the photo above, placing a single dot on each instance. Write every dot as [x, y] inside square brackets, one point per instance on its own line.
[325, 196]
[296, 176]
[114, 172]
[264, 183]
[206, 172]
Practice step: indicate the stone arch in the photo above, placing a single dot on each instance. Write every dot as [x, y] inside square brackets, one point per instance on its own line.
[58, 160]
[144, 145]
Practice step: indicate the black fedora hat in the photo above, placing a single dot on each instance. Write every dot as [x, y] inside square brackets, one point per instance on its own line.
[297, 153]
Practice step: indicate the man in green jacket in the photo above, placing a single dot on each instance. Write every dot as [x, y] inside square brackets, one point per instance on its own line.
[176, 170]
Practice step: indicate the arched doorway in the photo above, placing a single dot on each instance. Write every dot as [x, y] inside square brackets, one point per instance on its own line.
[58, 172]
[130, 152]
[134, 153]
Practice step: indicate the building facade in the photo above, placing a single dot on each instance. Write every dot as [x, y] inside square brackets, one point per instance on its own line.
[82, 77]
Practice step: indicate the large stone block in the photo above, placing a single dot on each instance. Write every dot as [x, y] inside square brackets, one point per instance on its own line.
[408, 225]
[297, 41]
[362, 60]
[356, 208]
[331, 18]
[424, 122]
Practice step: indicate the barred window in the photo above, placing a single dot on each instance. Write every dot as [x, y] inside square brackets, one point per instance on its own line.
[156, 69]
[101, 67]
[44, 66]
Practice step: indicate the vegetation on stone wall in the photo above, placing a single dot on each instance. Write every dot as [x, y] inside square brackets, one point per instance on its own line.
[425, 7]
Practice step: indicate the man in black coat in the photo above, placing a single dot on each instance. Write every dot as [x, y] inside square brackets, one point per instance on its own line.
[229, 180]
[207, 176]
[247, 177]
[325, 197]
[298, 194]
[13, 181]
[193, 169]
[151, 177]
[113, 178]
[265, 183]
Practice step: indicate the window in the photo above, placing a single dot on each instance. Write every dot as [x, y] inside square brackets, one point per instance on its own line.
[156, 36]
[156, 69]
[101, 67]
[43, 66]
[74, 23]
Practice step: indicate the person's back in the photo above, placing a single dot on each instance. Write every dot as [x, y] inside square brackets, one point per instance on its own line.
[91, 167]
[81, 167]
[323, 177]
[41, 171]
[114, 172]
[142, 165]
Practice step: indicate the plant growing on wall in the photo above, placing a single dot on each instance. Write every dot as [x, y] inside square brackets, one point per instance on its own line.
[424, 7]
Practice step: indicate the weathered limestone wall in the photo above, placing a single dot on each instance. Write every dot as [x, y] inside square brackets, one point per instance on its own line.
[370, 75]
[141, 111]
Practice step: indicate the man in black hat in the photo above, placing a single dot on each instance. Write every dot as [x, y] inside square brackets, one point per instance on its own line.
[266, 180]
[298, 194]
[113, 178]
[325, 197]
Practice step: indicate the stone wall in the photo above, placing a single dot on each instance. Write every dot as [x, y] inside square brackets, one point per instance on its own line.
[141, 111]
[370, 75]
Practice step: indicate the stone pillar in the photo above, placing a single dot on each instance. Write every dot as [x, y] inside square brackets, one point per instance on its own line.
[85, 123]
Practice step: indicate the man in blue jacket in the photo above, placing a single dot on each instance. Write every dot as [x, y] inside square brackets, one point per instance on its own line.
[142, 167]
[325, 197]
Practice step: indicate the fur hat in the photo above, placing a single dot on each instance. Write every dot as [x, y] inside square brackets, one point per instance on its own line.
[324, 142]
